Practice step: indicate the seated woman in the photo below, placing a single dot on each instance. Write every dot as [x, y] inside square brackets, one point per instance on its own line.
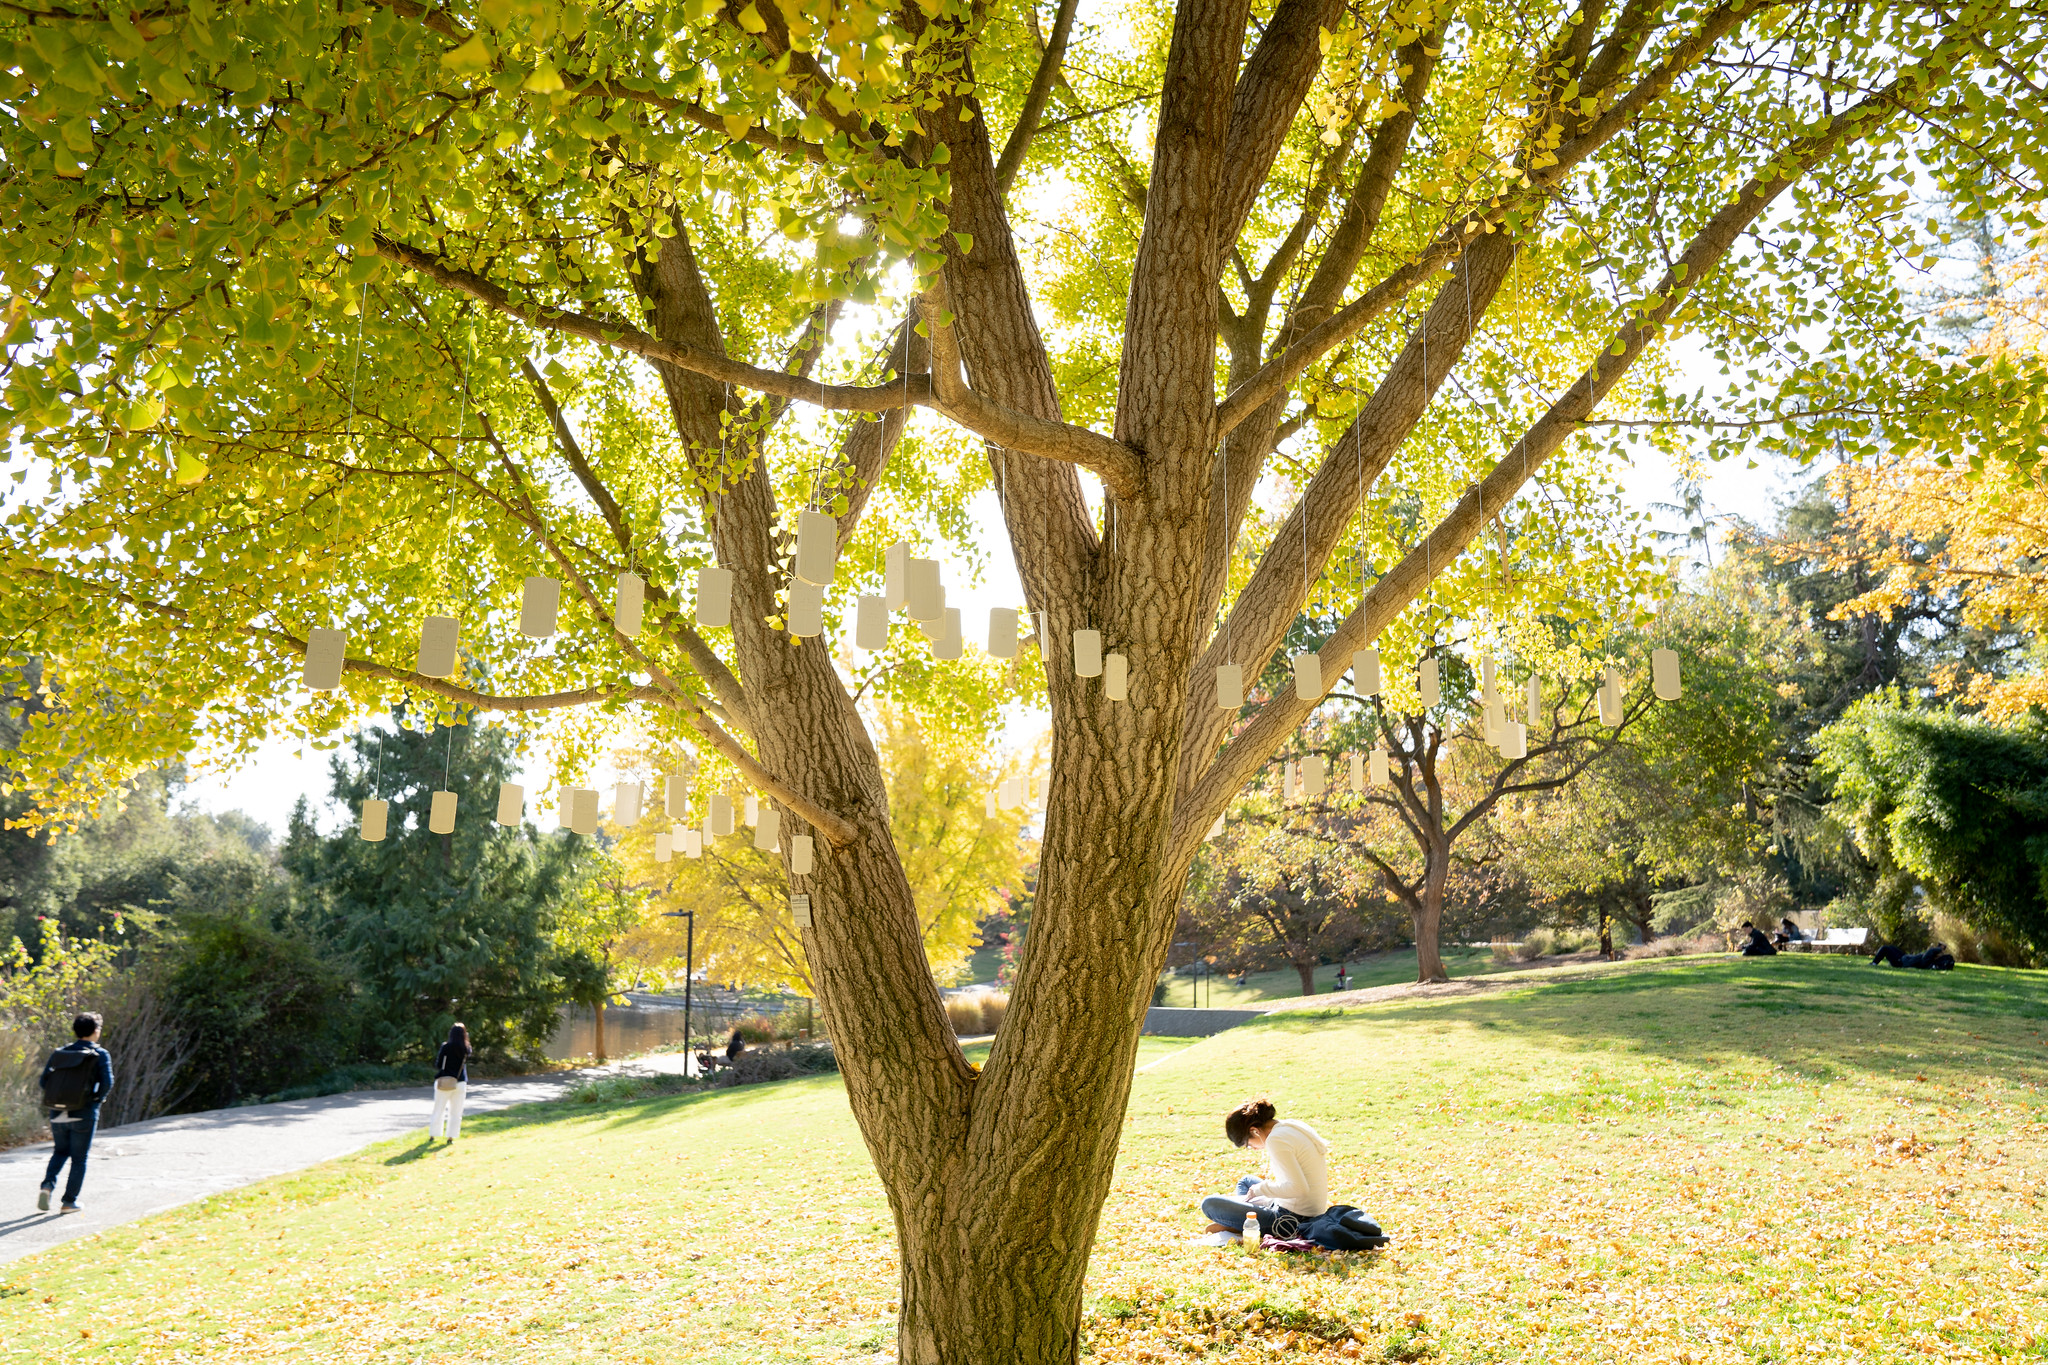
[1296, 1188]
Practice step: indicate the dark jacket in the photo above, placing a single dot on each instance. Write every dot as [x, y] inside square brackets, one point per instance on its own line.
[1343, 1228]
[103, 1079]
[449, 1062]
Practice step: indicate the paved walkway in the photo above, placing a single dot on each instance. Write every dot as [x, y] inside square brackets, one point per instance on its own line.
[146, 1168]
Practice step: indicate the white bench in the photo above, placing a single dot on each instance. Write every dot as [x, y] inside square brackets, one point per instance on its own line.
[1834, 941]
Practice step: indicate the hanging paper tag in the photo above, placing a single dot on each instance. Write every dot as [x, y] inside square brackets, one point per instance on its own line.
[719, 821]
[579, 810]
[817, 548]
[632, 598]
[1610, 697]
[1428, 682]
[375, 815]
[1002, 632]
[511, 803]
[1365, 671]
[675, 796]
[714, 597]
[800, 909]
[1488, 691]
[895, 576]
[326, 650]
[441, 813]
[1087, 653]
[1116, 677]
[626, 797]
[1515, 740]
[1664, 674]
[871, 624]
[1378, 769]
[1308, 677]
[540, 601]
[753, 810]
[1357, 774]
[948, 644]
[1230, 686]
[693, 843]
[988, 804]
[1313, 778]
[924, 594]
[1532, 700]
[664, 847]
[439, 636]
[801, 853]
[1287, 780]
[768, 830]
[806, 609]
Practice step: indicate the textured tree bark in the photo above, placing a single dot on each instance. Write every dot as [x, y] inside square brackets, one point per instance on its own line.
[1429, 918]
[1307, 972]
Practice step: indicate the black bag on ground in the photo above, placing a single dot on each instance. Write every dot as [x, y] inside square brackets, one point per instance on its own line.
[68, 1080]
[1343, 1228]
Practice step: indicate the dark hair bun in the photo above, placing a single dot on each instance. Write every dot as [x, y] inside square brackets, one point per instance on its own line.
[1257, 1112]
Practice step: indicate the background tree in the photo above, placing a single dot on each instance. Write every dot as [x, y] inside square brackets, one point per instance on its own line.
[502, 199]
[1683, 796]
[444, 927]
[1947, 805]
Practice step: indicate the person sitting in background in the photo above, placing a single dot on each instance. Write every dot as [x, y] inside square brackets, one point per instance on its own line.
[1296, 1188]
[735, 1046]
[1790, 933]
[1343, 978]
[1758, 945]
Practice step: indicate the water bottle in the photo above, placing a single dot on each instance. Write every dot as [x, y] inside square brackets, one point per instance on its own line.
[1251, 1232]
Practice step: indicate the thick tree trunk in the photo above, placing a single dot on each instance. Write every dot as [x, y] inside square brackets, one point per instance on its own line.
[1308, 977]
[1429, 918]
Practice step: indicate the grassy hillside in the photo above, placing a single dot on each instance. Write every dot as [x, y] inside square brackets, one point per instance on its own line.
[1794, 1159]
[1374, 969]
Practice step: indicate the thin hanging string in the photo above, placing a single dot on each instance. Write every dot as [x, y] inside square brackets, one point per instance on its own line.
[355, 370]
[377, 779]
[448, 759]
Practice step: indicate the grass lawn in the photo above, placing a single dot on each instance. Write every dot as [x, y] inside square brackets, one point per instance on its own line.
[1785, 1160]
[1374, 969]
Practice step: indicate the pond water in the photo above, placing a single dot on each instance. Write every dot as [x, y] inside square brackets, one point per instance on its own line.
[647, 1024]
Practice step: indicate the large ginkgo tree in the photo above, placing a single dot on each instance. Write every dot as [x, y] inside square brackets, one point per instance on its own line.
[348, 314]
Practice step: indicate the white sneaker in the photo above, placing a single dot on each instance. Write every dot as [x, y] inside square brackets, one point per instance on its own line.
[43, 1199]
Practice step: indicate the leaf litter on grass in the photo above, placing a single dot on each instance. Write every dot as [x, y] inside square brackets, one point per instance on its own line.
[1554, 1198]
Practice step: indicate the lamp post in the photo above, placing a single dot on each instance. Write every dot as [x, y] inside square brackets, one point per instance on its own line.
[689, 973]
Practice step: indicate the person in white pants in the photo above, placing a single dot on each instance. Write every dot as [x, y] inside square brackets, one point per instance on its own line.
[451, 1085]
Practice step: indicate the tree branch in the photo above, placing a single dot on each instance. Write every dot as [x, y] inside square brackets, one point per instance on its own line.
[1028, 118]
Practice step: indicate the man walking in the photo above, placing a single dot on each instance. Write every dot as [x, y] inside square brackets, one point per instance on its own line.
[75, 1080]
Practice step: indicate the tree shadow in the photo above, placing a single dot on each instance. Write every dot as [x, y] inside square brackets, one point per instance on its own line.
[1817, 1018]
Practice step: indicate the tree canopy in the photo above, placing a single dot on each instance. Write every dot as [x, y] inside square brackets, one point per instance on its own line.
[327, 318]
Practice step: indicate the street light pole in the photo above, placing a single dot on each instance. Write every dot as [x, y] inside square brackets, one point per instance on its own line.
[689, 973]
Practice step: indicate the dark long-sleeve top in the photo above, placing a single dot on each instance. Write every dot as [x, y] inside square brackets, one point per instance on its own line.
[102, 1081]
[449, 1062]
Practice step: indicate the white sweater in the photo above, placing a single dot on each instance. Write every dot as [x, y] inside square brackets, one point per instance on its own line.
[1300, 1179]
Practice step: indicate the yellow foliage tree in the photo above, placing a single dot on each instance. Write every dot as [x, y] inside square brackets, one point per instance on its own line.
[1976, 535]
[958, 856]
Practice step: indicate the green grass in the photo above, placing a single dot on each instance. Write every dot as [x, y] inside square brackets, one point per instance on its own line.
[1706, 1162]
[1374, 969]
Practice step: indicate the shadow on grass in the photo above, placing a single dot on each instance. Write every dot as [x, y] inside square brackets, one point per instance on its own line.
[423, 1147]
[1819, 1018]
[664, 1098]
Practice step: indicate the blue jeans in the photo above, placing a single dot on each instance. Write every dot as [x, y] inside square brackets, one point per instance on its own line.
[1230, 1211]
[73, 1140]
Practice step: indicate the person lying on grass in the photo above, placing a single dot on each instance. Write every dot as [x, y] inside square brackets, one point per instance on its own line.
[1296, 1187]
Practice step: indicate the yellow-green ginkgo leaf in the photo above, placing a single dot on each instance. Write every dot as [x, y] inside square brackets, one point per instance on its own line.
[142, 414]
[191, 469]
[751, 20]
[545, 80]
[471, 56]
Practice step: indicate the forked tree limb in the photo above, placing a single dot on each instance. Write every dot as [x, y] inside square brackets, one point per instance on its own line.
[1030, 117]
[1207, 794]
[1111, 460]
[1282, 370]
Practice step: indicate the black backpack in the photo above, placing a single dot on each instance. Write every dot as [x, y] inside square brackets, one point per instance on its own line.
[68, 1079]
